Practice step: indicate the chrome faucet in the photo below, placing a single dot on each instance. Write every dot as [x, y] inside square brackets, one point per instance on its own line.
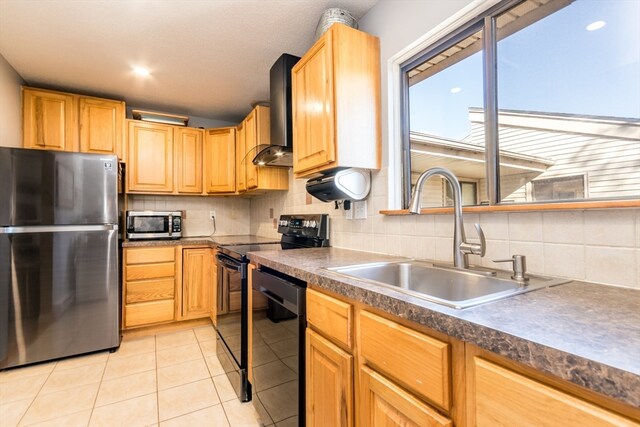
[461, 248]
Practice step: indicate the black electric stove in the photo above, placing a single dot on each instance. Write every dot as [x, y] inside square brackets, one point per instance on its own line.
[233, 310]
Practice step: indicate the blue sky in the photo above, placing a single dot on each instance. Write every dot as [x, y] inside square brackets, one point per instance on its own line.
[554, 65]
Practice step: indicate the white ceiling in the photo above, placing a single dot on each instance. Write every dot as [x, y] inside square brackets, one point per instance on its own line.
[208, 58]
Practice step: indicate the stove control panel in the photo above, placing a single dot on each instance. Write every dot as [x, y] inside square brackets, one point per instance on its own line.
[309, 225]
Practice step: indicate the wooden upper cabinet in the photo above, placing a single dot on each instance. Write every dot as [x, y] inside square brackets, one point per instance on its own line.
[68, 122]
[101, 126]
[197, 282]
[251, 134]
[336, 103]
[49, 120]
[312, 95]
[188, 160]
[241, 167]
[150, 158]
[220, 160]
[257, 128]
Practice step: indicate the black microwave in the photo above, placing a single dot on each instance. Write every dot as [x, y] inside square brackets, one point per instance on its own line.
[154, 225]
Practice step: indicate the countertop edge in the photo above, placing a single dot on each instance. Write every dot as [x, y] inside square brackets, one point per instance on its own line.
[599, 377]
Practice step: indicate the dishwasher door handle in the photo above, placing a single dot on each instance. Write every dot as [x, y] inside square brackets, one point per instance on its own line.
[279, 300]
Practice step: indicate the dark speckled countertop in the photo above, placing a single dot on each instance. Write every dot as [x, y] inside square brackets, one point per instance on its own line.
[584, 333]
[213, 241]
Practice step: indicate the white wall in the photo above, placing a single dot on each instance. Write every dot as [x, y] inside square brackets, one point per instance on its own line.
[10, 105]
[599, 246]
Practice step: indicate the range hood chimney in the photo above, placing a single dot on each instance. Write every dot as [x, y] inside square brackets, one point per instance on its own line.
[279, 152]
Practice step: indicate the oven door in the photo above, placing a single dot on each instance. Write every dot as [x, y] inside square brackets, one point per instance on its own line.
[231, 322]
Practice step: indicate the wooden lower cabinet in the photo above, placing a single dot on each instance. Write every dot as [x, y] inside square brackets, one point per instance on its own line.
[168, 283]
[197, 282]
[383, 403]
[404, 374]
[329, 375]
[500, 396]
[149, 285]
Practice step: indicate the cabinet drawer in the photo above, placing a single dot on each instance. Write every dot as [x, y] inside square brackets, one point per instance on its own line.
[331, 316]
[150, 290]
[502, 397]
[149, 255]
[417, 361]
[146, 313]
[384, 403]
[150, 271]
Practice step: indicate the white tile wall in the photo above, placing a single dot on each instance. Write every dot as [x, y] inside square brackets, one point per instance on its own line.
[232, 214]
[596, 245]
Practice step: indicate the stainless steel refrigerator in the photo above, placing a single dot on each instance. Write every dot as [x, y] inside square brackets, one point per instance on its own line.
[59, 287]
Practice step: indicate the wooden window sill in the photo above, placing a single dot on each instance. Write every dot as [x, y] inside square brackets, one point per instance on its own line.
[610, 204]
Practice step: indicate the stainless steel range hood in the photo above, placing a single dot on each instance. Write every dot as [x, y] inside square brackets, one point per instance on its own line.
[279, 152]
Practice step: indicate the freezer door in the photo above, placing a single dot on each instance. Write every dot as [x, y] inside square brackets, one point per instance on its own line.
[59, 293]
[53, 187]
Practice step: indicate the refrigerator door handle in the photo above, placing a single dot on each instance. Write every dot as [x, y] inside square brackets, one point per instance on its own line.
[56, 228]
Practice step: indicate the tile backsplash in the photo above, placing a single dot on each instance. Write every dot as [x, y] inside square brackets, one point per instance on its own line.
[595, 245]
[232, 213]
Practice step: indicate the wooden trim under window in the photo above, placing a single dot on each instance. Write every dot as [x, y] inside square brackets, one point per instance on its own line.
[526, 207]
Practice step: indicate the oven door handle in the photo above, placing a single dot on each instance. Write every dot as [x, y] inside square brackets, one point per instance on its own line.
[231, 265]
[279, 300]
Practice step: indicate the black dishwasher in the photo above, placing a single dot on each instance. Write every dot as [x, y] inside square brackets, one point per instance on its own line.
[286, 310]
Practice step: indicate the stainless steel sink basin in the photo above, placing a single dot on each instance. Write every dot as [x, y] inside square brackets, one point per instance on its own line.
[448, 286]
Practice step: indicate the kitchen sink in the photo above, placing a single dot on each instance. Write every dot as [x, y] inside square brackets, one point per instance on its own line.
[450, 286]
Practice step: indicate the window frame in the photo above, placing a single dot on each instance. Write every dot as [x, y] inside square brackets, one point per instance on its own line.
[475, 16]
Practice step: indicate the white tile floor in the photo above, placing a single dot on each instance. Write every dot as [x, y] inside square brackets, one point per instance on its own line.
[170, 379]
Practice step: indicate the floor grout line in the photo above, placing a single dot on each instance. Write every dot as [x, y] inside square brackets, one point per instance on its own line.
[38, 393]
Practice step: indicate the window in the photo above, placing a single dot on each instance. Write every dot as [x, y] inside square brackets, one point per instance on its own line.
[536, 100]
[562, 188]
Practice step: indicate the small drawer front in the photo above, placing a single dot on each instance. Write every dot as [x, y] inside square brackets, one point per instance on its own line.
[150, 255]
[147, 313]
[334, 318]
[150, 271]
[415, 360]
[502, 397]
[150, 290]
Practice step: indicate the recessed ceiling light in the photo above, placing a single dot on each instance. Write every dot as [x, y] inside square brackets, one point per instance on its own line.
[141, 71]
[596, 25]
[456, 90]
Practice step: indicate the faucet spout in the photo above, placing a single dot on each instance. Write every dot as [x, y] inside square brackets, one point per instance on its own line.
[460, 246]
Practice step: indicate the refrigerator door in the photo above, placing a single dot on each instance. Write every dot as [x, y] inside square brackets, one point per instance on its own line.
[59, 293]
[53, 187]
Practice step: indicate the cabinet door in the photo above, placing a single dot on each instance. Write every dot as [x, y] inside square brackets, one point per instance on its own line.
[251, 140]
[329, 378]
[241, 167]
[150, 158]
[313, 108]
[188, 160]
[101, 126]
[220, 160]
[501, 397]
[197, 282]
[49, 120]
[383, 403]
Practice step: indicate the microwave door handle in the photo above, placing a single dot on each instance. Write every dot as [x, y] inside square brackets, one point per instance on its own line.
[170, 225]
